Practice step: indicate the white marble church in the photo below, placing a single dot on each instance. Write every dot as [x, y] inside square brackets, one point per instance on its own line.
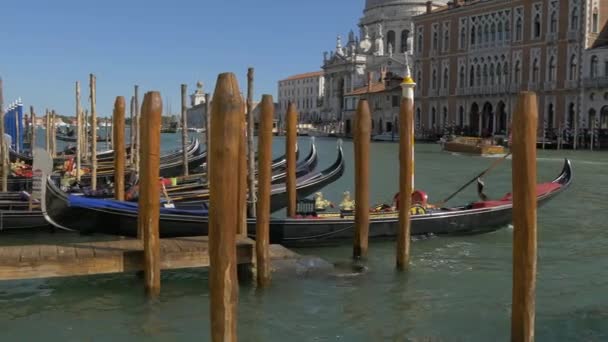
[384, 40]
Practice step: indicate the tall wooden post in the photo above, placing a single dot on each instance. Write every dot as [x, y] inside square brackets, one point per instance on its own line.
[208, 135]
[53, 133]
[185, 128]
[3, 147]
[131, 132]
[47, 135]
[242, 178]
[78, 130]
[86, 134]
[227, 116]
[136, 130]
[363, 122]
[119, 148]
[406, 171]
[290, 150]
[149, 195]
[264, 183]
[250, 147]
[524, 218]
[33, 128]
[93, 92]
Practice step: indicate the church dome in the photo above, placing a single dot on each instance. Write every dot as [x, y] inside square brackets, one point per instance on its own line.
[369, 4]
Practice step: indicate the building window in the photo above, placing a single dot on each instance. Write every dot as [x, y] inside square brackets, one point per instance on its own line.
[435, 39]
[479, 35]
[434, 118]
[478, 81]
[419, 45]
[517, 74]
[444, 119]
[594, 66]
[419, 81]
[485, 74]
[472, 77]
[493, 32]
[507, 31]
[551, 75]
[446, 40]
[518, 29]
[505, 69]
[553, 22]
[537, 26]
[461, 116]
[535, 71]
[500, 33]
[486, 34]
[606, 69]
[405, 34]
[395, 101]
[572, 74]
[434, 81]
[390, 40]
[462, 77]
[463, 37]
[472, 35]
[574, 19]
[499, 74]
[445, 78]
[595, 25]
[492, 74]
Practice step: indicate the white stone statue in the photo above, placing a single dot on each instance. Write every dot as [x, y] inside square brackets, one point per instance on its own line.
[390, 50]
[339, 50]
[380, 32]
[379, 47]
[366, 44]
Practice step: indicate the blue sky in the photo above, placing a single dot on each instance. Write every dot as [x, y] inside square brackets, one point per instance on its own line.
[48, 45]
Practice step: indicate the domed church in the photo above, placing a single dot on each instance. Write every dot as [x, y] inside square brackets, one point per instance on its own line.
[379, 51]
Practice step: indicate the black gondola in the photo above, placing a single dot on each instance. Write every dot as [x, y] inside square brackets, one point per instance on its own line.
[187, 219]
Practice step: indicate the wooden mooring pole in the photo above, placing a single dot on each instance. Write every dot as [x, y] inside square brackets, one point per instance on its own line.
[185, 128]
[47, 135]
[119, 148]
[136, 130]
[208, 135]
[250, 147]
[131, 132]
[53, 133]
[78, 130]
[362, 132]
[149, 194]
[93, 94]
[406, 171]
[264, 183]
[227, 117]
[33, 128]
[3, 147]
[290, 150]
[242, 178]
[524, 218]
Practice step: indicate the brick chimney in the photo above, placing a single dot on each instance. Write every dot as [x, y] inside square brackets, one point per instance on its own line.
[429, 7]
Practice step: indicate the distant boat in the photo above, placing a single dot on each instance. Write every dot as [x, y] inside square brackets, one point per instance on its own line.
[386, 136]
[472, 145]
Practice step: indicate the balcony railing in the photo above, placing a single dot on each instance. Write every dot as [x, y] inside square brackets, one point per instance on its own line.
[598, 82]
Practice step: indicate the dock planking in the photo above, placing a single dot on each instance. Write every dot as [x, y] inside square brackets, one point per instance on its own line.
[105, 257]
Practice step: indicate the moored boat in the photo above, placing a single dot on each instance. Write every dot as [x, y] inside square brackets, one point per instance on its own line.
[473, 145]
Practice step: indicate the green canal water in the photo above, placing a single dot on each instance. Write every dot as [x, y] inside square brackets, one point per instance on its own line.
[458, 288]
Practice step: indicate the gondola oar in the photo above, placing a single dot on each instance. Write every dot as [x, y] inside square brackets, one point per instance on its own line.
[483, 173]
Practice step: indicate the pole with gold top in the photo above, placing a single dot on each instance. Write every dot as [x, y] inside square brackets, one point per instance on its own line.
[406, 170]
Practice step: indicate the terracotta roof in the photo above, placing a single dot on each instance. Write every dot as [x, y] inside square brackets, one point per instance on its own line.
[377, 87]
[306, 75]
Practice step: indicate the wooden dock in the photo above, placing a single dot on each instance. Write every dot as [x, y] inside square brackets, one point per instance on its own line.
[116, 256]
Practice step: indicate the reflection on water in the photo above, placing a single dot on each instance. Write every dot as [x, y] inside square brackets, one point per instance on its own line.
[458, 288]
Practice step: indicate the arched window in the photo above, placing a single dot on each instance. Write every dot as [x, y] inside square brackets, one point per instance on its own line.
[419, 79]
[574, 19]
[493, 32]
[485, 74]
[550, 117]
[499, 73]
[473, 35]
[595, 25]
[479, 35]
[405, 34]
[553, 22]
[390, 40]
[445, 78]
[462, 77]
[505, 69]
[572, 74]
[552, 73]
[486, 33]
[418, 117]
[491, 74]
[478, 81]
[444, 119]
[517, 76]
[472, 77]
[500, 35]
[594, 66]
[591, 117]
[463, 38]
[507, 31]
[537, 26]
[433, 118]
[435, 40]
[518, 29]
[419, 47]
[446, 40]
[535, 71]
[434, 81]
[461, 116]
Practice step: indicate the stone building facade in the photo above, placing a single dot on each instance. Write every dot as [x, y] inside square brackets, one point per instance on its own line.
[473, 57]
[385, 39]
[306, 92]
